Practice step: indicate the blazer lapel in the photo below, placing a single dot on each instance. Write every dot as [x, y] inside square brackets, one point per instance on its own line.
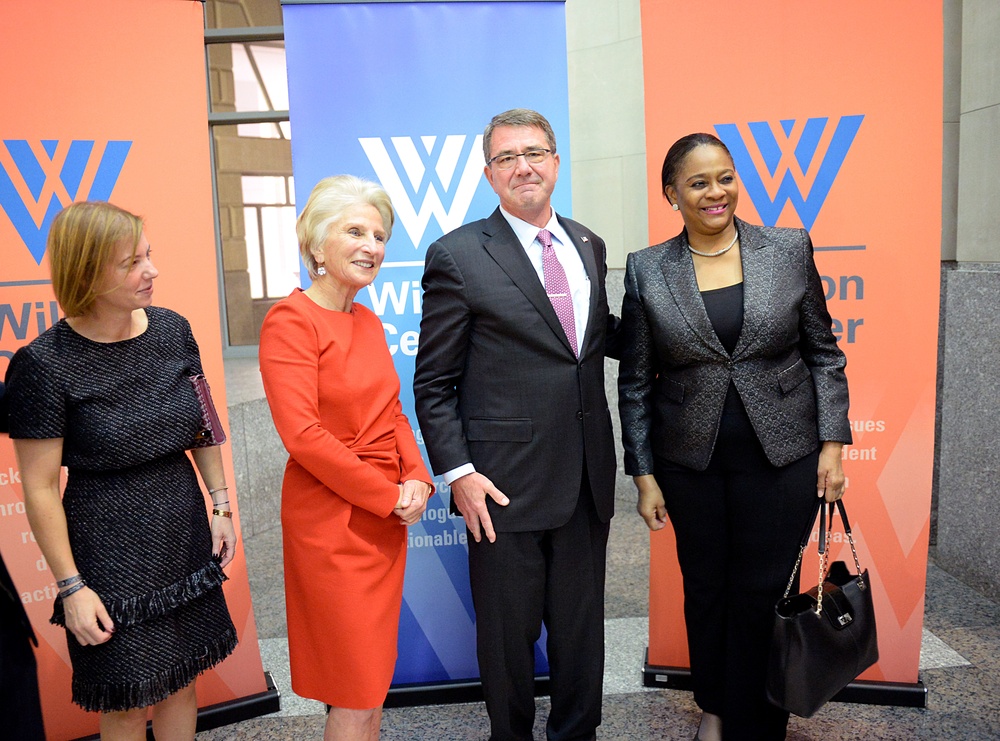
[678, 271]
[586, 250]
[757, 256]
[502, 245]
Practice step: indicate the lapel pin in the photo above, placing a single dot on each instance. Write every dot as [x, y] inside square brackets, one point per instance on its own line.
[584, 239]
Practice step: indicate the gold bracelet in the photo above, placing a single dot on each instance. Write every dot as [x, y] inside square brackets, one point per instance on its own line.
[222, 513]
[221, 488]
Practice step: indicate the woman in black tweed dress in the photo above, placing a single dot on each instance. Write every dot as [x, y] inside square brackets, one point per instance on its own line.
[106, 393]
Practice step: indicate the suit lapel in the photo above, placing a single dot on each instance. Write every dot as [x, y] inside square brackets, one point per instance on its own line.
[502, 245]
[586, 250]
[678, 271]
[757, 257]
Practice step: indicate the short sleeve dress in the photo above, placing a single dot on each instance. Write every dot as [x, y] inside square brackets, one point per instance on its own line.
[334, 397]
[137, 519]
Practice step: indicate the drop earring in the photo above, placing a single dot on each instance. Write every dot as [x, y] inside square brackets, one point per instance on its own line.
[321, 270]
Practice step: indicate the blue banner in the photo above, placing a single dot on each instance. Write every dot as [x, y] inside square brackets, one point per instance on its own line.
[399, 93]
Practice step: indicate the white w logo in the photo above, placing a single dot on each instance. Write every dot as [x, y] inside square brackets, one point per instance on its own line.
[417, 162]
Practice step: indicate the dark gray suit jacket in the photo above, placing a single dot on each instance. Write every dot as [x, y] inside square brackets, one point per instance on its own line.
[675, 372]
[496, 382]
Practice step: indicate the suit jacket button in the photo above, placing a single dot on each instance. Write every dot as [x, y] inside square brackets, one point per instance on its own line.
[579, 415]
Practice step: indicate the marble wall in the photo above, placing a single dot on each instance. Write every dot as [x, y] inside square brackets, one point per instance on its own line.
[968, 511]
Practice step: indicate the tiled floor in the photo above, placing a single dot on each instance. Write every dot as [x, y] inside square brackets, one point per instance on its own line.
[960, 665]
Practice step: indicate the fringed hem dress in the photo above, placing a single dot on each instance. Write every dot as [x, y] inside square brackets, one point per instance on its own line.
[137, 519]
[334, 397]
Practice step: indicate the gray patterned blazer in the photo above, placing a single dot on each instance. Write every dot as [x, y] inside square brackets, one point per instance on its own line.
[675, 372]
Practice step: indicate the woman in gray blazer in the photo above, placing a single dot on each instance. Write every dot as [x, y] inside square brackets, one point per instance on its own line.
[734, 405]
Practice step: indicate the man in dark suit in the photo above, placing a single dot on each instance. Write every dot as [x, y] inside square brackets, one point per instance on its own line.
[509, 389]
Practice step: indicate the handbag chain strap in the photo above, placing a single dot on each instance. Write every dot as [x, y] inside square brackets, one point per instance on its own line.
[824, 554]
[862, 584]
[824, 550]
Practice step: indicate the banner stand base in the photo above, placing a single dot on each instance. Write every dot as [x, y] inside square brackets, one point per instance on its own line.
[447, 693]
[899, 694]
[227, 713]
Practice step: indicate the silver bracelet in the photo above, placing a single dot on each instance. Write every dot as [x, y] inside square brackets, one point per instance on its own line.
[63, 583]
[73, 589]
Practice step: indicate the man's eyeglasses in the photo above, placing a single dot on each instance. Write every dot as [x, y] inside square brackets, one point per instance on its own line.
[532, 157]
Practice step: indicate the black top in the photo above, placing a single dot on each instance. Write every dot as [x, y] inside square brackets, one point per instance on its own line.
[725, 311]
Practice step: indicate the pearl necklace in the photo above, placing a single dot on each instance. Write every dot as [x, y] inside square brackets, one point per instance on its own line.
[723, 251]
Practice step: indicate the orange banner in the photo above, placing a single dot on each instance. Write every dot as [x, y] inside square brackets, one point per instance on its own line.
[833, 115]
[106, 100]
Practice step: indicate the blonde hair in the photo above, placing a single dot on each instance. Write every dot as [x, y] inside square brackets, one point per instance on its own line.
[82, 242]
[327, 202]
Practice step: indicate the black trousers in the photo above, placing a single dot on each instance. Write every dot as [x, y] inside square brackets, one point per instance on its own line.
[525, 578]
[738, 525]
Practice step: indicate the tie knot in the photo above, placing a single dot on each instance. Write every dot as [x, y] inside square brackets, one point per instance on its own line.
[545, 237]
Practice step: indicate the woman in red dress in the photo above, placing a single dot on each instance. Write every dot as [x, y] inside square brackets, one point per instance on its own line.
[355, 478]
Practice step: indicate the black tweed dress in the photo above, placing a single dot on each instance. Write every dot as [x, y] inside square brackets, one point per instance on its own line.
[137, 517]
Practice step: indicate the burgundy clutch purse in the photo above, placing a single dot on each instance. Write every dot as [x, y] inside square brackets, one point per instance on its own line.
[211, 427]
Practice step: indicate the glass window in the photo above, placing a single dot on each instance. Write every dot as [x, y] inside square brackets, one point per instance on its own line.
[251, 142]
[260, 84]
[269, 228]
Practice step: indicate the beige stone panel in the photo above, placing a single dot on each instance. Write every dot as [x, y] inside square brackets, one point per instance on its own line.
[952, 60]
[597, 201]
[239, 308]
[949, 190]
[592, 23]
[235, 222]
[635, 208]
[234, 253]
[606, 101]
[978, 231]
[980, 62]
[211, 16]
[243, 13]
[630, 19]
[220, 130]
[220, 56]
[229, 15]
[229, 188]
[260, 309]
[223, 90]
[253, 156]
[263, 12]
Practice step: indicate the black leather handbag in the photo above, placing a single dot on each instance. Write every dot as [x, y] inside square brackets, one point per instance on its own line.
[819, 646]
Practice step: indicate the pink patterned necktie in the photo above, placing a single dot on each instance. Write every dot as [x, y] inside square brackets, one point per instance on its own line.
[557, 288]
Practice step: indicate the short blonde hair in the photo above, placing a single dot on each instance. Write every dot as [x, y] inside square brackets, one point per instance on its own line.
[326, 204]
[82, 242]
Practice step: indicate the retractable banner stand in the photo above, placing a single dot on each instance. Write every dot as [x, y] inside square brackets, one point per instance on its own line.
[106, 100]
[833, 117]
[399, 93]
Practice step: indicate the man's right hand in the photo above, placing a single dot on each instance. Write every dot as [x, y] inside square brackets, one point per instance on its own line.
[469, 494]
